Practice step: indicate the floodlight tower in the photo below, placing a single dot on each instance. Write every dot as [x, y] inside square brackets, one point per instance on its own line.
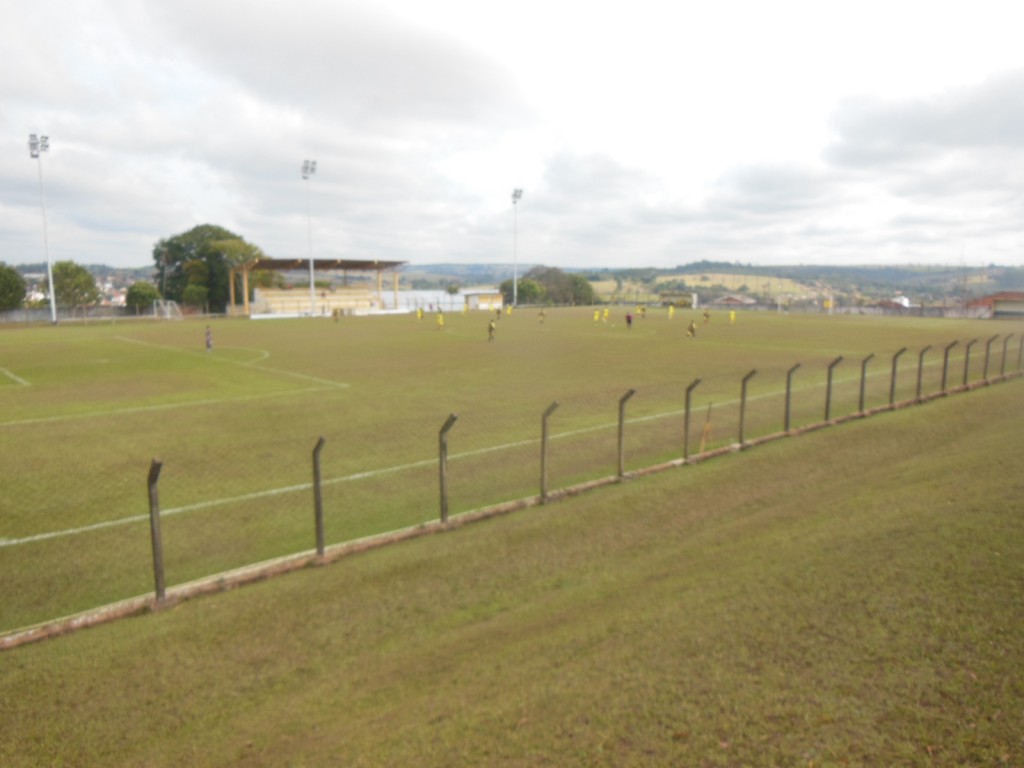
[36, 146]
[517, 195]
[308, 169]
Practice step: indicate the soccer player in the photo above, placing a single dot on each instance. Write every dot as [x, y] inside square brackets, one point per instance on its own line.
[691, 330]
[491, 326]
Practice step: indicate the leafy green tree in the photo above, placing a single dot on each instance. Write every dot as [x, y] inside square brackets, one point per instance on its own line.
[202, 257]
[195, 296]
[581, 291]
[562, 288]
[527, 291]
[141, 295]
[74, 286]
[12, 288]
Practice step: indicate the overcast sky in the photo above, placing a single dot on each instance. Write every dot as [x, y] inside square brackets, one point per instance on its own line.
[643, 133]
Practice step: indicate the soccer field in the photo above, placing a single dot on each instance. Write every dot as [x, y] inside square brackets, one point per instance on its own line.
[85, 409]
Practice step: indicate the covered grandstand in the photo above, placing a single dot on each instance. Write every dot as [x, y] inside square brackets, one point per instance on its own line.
[314, 301]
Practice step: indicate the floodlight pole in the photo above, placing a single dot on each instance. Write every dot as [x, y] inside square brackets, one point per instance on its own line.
[517, 195]
[36, 146]
[308, 169]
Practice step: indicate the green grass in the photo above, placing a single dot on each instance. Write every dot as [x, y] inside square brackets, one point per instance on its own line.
[87, 408]
[851, 597]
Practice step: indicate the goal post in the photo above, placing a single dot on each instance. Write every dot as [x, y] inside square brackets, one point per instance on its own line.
[166, 309]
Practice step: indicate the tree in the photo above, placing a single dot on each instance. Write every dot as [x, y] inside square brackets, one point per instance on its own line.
[581, 291]
[73, 285]
[195, 296]
[562, 288]
[141, 295]
[526, 291]
[201, 258]
[12, 288]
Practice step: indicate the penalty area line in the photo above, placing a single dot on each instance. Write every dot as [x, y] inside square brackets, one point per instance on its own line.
[16, 379]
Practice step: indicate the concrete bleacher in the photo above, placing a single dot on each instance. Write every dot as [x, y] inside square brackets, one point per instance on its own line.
[296, 301]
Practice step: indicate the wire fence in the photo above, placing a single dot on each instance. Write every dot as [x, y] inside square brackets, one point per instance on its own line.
[237, 502]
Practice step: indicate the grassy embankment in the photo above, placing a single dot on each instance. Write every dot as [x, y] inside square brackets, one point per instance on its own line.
[850, 597]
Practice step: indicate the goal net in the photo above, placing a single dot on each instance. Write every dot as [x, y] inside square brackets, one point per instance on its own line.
[168, 310]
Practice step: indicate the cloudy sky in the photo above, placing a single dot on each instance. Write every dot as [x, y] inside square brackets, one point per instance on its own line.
[643, 133]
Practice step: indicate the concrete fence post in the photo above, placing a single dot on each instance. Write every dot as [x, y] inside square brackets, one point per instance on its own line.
[622, 431]
[828, 387]
[442, 440]
[863, 380]
[743, 402]
[945, 363]
[318, 499]
[789, 392]
[686, 420]
[1002, 365]
[988, 348]
[967, 358]
[920, 370]
[892, 380]
[544, 452]
[154, 529]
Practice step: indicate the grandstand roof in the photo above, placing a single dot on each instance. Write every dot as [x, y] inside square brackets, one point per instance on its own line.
[348, 265]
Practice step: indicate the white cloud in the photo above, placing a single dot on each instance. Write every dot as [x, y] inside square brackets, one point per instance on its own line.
[647, 133]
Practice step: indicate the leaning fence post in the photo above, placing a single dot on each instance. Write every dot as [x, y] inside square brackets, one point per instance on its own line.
[789, 390]
[828, 387]
[1020, 352]
[442, 438]
[686, 420]
[318, 499]
[154, 529]
[967, 358]
[945, 363]
[863, 379]
[892, 381]
[743, 401]
[544, 452]
[988, 347]
[622, 432]
[1002, 365]
[920, 366]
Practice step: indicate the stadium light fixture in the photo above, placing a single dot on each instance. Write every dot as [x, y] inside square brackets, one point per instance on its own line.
[308, 169]
[517, 195]
[36, 146]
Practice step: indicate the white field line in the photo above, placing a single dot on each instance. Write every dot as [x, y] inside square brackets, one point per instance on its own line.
[161, 407]
[15, 379]
[263, 355]
[251, 364]
[302, 487]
